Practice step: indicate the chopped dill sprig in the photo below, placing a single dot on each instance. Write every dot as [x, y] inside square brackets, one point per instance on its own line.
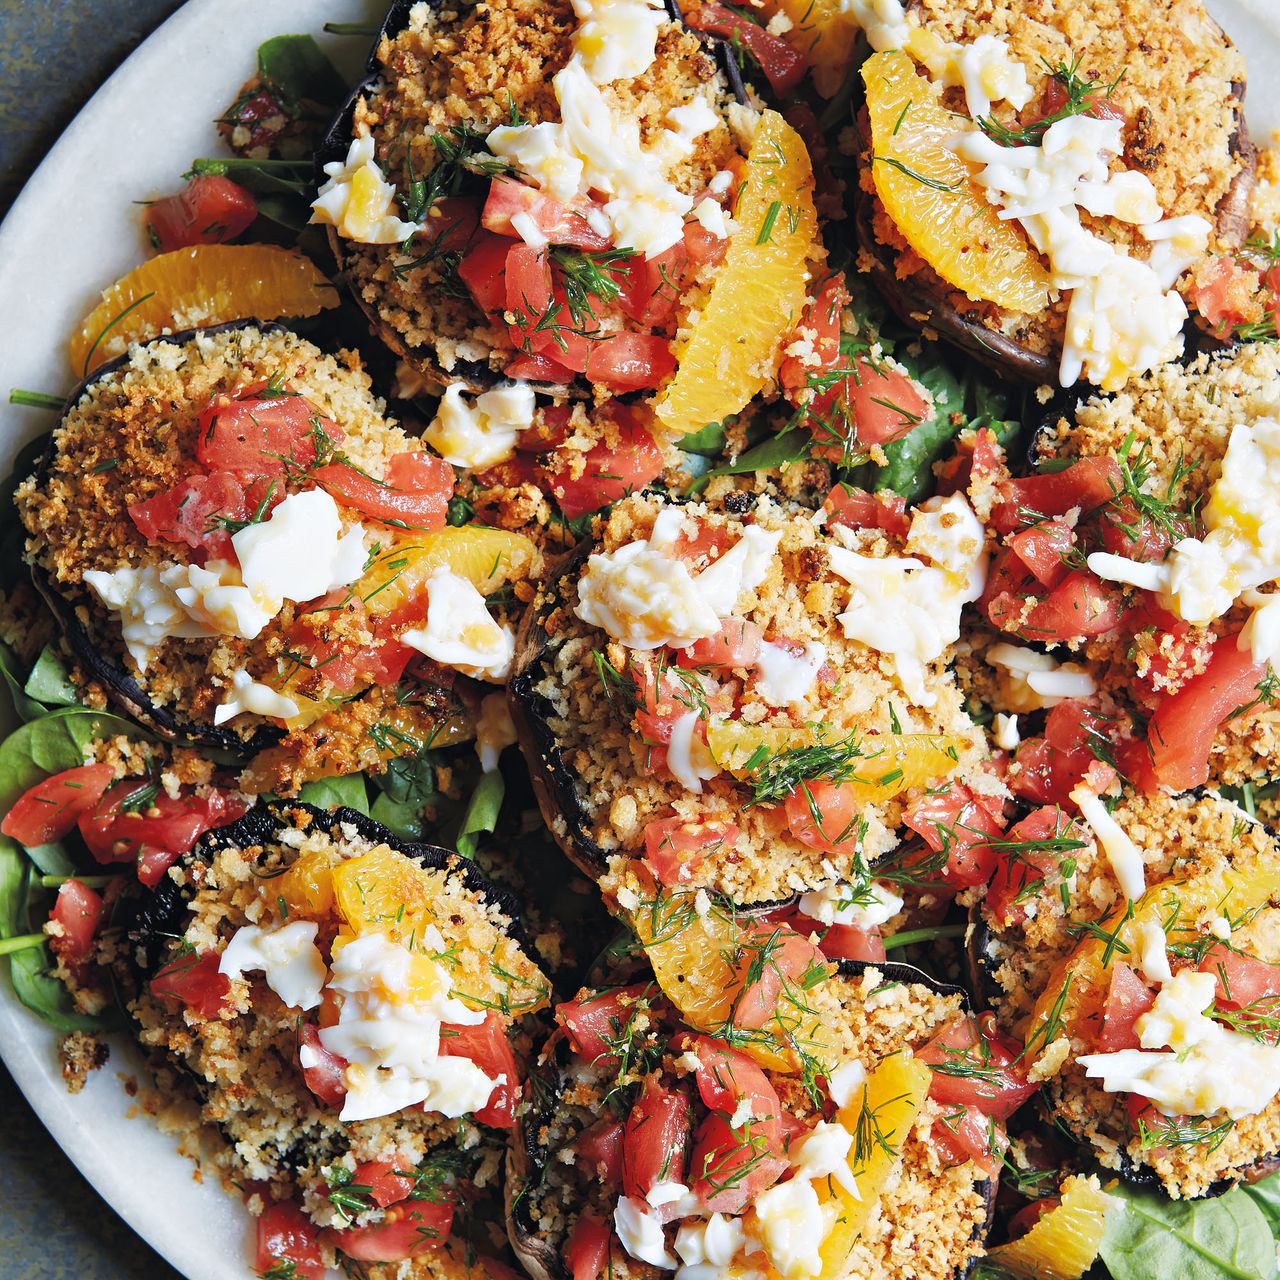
[1081, 100]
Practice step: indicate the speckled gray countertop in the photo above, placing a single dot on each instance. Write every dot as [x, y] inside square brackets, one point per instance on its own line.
[53, 55]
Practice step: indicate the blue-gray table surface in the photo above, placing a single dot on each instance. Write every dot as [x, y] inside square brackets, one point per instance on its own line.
[53, 55]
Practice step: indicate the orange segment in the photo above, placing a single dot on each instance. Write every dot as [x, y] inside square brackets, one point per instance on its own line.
[382, 891]
[758, 292]
[206, 285]
[824, 31]
[889, 765]
[880, 1117]
[927, 192]
[693, 956]
[306, 888]
[488, 558]
[1064, 1243]
[1079, 985]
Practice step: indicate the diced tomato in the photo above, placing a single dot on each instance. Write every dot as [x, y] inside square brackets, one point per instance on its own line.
[1079, 607]
[386, 1185]
[484, 271]
[1043, 549]
[77, 912]
[705, 246]
[675, 847]
[964, 1133]
[877, 403]
[538, 368]
[630, 361]
[736, 644]
[609, 471]
[528, 294]
[1182, 730]
[1100, 105]
[260, 431]
[1020, 873]
[1127, 532]
[190, 513]
[848, 942]
[549, 431]
[978, 457]
[655, 1139]
[773, 959]
[862, 510]
[1086, 484]
[406, 1230]
[823, 815]
[729, 1167]
[414, 495]
[974, 1064]
[599, 1150]
[594, 1022]
[193, 980]
[452, 223]
[956, 820]
[698, 543]
[486, 1044]
[1226, 295]
[651, 286]
[587, 1252]
[821, 322]
[208, 210]
[725, 1076]
[1243, 981]
[1050, 768]
[323, 1072]
[157, 836]
[1128, 998]
[1030, 1214]
[560, 223]
[783, 65]
[49, 810]
[288, 1238]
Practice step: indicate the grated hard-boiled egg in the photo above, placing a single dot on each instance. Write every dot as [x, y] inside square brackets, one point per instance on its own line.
[617, 39]
[1191, 1064]
[460, 633]
[484, 433]
[391, 1005]
[300, 552]
[1123, 855]
[287, 957]
[249, 696]
[358, 201]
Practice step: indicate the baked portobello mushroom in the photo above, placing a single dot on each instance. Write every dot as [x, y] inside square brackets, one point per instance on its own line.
[1151, 1018]
[1136, 548]
[277, 953]
[233, 538]
[704, 697]
[1154, 96]
[441, 80]
[643, 1142]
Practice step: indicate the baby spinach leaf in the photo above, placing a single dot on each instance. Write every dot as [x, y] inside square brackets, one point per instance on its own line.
[707, 441]
[299, 72]
[772, 451]
[52, 743]
[1266, 1195]
[402, 817]
[349, 791]
[410, 780]
[1222, 1238]
[481, 815]
[29, 968]
[49, 682]
[24, 706]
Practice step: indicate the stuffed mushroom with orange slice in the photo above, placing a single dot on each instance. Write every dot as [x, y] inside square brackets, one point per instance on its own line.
[595, 216]
[649, 1146]
[1035, 183]
[240, 546]
[1135, 951]
[720, 698]
[374, 993]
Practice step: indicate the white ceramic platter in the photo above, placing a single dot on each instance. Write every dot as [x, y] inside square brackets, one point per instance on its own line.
[73, 230]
